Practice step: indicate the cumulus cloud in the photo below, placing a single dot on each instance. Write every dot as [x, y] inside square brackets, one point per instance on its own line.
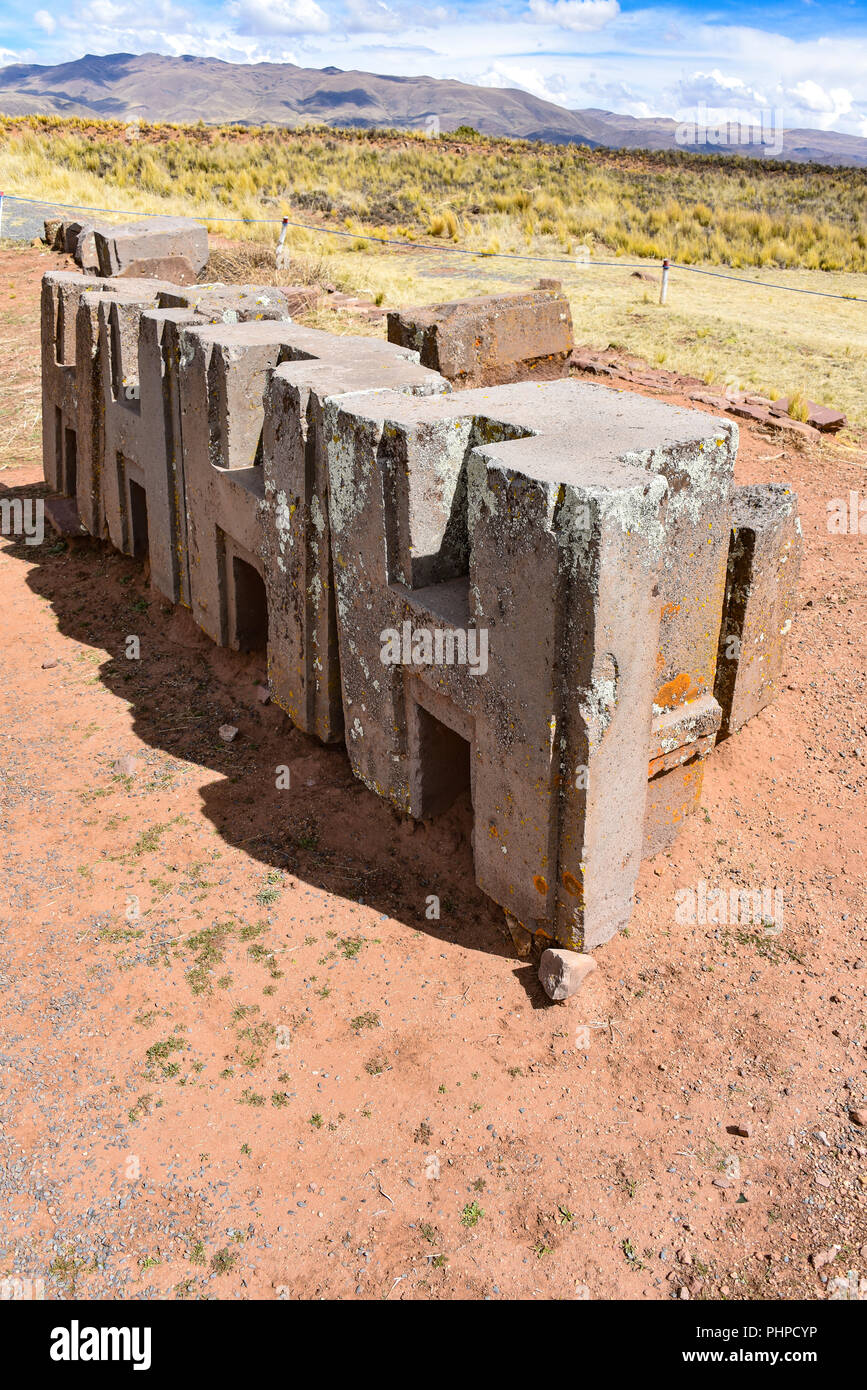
[581, 16]
[550, 87]
[717, 88]
[718, 97]
[372, 16]
[279, 17]
[826, 106]
[45, 21]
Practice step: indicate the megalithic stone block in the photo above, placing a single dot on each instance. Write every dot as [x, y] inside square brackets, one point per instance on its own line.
[72, 406]
[761, 594]
[90, 379]
[256, 494]
[303, 660]
[493, 339]
[524, 587]
[223, 374]
[53, 233]
[176, 269]
[523, 522]
[136, 425]
[218, 303]
[143, 488]
[61, 291]
[149, 238]
[182, 308]
[64, 371]
[160, 451]
[686, 714]
[79, 241]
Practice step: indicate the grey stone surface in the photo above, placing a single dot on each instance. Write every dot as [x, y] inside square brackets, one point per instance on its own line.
[686, 715]
[72, 439]
[150, 238]
[175, 269]
[80, 243]
[144, 511]
[147, 369]
[318, 369]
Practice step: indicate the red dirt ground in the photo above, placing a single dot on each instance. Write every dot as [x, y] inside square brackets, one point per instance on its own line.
[281, 1079]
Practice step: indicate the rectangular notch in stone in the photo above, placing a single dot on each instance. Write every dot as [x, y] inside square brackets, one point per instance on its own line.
[439, 742]
[428, 537]
[248, 605]
[138, 520]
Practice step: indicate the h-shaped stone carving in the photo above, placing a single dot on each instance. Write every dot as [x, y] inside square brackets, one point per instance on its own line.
[75, 381]
[142, 364]
[255, 487]
[539, 518]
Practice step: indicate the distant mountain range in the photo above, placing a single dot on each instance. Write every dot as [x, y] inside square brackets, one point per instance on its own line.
[151, 87]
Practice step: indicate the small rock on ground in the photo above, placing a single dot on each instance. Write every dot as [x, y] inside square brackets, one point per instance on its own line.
[562, 973]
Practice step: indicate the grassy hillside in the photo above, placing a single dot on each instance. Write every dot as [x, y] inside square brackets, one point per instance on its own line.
[791, 224]
[488, 194]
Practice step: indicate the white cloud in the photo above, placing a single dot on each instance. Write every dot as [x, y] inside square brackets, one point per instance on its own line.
[45, 21]
[279, 17]
[102, 12]
[713, 86]
[611, 96]
[581, 16]
[373, 16]
[550, 87]
[720, 98]
[828, 106]
[159, 18]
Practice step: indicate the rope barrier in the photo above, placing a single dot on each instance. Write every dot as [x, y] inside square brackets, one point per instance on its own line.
[285, 222]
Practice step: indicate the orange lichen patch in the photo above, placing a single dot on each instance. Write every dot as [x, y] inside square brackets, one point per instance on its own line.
[539, 884]
[493, 832]
[692, 778]
[677, 692]
[668, 610]
[571, 884]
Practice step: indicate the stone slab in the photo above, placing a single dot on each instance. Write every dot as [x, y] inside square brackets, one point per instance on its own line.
[490, 340]
[150, 238]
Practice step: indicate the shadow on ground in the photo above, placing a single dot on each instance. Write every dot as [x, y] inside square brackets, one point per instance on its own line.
[327, 829]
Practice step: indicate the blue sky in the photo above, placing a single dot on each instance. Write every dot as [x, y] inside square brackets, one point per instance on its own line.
[802, 59]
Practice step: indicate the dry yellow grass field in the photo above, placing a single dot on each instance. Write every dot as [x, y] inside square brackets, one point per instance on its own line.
[801, 227]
